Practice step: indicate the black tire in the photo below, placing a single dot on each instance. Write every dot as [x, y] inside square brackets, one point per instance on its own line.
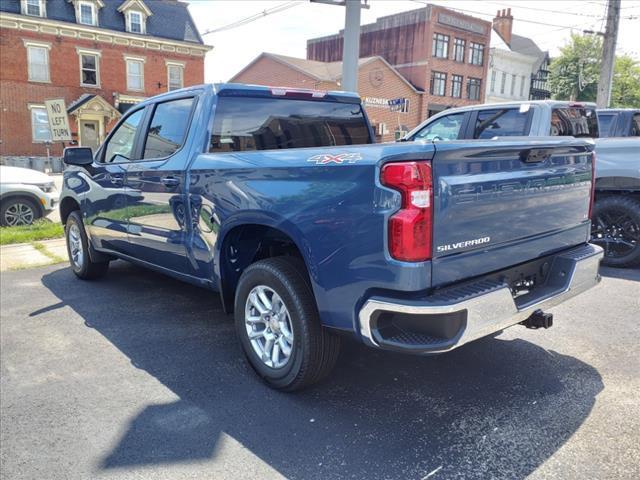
[625, 213]
[314, 350]
[84, 268]
[14, 203]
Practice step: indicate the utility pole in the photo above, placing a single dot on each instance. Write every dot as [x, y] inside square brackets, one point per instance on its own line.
[608, 54]
[351, 44]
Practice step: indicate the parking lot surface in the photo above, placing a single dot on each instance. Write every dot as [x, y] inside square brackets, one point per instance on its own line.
[140, 376]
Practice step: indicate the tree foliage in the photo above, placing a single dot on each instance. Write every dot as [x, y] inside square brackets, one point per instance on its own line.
[574, 75]
[626, 83]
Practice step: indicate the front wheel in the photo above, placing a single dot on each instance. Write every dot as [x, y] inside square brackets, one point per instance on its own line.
[616, 228]
[278, 325]
[17, 211]
[78, 250]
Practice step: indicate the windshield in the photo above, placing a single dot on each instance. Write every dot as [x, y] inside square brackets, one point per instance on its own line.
[247, 123]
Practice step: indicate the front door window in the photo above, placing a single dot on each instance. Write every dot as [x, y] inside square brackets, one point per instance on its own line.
[444, 128]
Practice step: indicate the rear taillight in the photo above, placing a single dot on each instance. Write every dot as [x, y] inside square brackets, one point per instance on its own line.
[593, 183]
[410, 228]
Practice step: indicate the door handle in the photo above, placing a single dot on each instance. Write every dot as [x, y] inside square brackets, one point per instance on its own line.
[170, 181]
[116, 180]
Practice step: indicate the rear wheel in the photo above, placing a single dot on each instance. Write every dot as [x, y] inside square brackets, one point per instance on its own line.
[616, 228]
[78, 250]
[19, 211]
[278, 325]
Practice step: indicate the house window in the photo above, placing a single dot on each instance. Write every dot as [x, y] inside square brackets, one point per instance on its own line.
[405, 106]
[175, 74]
[504, 82]
[473, 88]
[456, 86]
[135, 22]
[38, 60]
[513, 84]
[476, 53]
[493, 81]
[458, 50]
[86, 14]
[438, 83]
[135, 74]
[34, 8]
[440, 46]
[522, 80]
[89, 73]
[40, 125]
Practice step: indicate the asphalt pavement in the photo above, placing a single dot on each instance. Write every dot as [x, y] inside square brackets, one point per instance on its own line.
[140, 376]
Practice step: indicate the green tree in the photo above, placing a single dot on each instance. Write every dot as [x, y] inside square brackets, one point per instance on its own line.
[625, 91]
[574, 74]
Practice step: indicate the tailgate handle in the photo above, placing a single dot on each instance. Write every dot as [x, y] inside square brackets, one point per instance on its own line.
[534, 155]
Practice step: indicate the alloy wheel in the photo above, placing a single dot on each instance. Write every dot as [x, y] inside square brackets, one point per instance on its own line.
[19, 214]
[268, 326]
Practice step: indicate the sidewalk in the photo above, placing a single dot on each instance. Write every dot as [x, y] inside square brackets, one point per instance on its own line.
[34, 254]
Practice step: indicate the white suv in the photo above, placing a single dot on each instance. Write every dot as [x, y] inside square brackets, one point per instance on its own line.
[25, 195]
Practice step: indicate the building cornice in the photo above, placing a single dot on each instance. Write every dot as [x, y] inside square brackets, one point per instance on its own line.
[85, 32]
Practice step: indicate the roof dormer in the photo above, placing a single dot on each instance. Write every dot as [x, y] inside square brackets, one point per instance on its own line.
[135, 14]
[87, 11]
[33, 8]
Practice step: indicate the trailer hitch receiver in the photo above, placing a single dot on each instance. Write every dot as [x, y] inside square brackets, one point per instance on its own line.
[538, 319]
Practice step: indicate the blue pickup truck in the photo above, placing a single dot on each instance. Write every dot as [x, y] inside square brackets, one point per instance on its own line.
[280, 201]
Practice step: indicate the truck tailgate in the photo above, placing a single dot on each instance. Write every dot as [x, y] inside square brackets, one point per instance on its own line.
[502, 202]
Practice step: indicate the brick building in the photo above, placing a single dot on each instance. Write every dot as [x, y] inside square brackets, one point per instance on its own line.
[101, 56]
[378, 83]
[441, 52]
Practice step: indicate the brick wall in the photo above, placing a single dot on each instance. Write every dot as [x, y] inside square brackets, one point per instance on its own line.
[266, 70]
[405, 41]
[17, 92]
[392, 86]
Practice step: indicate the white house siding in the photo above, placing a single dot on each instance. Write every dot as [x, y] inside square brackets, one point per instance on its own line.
[507, 66]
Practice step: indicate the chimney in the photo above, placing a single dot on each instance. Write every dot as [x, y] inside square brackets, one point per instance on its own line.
[502, 24]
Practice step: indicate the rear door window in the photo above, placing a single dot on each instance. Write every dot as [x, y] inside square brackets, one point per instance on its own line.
[635, 125]
[168, 128]
[246, 123]
[574, 122]
[605, 121]
[444, 128]
[501, 122]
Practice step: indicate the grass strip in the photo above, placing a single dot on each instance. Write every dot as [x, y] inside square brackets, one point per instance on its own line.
[40, 230]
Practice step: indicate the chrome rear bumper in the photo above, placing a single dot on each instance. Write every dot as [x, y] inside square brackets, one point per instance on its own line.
[465, 313]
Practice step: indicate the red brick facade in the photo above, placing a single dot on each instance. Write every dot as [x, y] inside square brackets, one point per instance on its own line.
[17, 93]
[405, 41]
[377, 83]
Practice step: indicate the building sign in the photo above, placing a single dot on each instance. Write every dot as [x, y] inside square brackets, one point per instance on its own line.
[58, 120]
[375, 102]
[457, 22]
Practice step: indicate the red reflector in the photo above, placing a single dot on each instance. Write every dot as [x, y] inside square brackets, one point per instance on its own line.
[410, 229]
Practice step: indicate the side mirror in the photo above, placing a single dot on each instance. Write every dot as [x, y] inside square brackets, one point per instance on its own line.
[79, 156]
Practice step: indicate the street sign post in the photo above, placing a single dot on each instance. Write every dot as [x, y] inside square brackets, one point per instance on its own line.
[58, 120]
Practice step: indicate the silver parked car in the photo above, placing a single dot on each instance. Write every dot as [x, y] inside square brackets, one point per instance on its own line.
[25, 196]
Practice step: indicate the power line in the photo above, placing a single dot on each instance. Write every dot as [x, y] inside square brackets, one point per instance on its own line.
[491, 16]
[256, 16]
[563, 12]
